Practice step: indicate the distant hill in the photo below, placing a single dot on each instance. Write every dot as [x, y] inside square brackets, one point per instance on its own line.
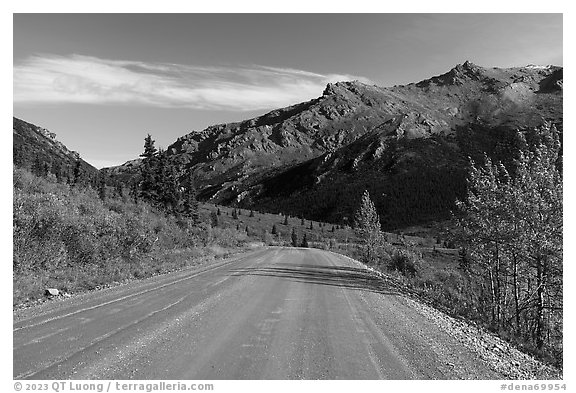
[408, 144]
[38, 149]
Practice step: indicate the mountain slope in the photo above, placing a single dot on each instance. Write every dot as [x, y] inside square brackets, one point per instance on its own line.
[312, 158]
[36, 147]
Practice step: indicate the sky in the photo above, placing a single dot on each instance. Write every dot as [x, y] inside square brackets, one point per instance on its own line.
[101, 82]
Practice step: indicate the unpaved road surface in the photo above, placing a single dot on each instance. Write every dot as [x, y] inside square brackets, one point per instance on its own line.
[278, 313]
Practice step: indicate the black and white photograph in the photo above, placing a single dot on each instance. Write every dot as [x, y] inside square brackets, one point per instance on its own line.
[247, 196]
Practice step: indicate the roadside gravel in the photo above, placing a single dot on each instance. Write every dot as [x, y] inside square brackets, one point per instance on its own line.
[499, 355]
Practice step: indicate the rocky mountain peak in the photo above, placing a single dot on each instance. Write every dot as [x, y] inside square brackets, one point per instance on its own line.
[467, 69]
[354, 125]
[337, 88]
[458, 75]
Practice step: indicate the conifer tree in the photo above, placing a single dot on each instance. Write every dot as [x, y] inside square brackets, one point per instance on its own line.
[294, 238]
[168, 186]
[148, 171]
[149, 148]
[191, 205]
[304, 241]
[367, 227]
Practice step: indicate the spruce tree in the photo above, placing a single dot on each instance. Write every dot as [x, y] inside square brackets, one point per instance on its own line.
[294, 238]
[304, 241]
[367, 227]
[149, 148]
[191, 205]
[148, 171]
[170, 195]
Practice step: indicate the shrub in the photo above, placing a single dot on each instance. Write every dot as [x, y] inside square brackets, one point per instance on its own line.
[404, 261]
[68, 238]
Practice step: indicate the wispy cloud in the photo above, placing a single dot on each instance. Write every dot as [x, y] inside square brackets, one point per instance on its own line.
[91, 80]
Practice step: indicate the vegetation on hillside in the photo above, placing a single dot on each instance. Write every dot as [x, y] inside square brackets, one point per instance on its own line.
[68, 238]
[78, 235]
[38, 150]
[508, 275]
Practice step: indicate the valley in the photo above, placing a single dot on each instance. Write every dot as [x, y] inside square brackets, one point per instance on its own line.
[435, 202]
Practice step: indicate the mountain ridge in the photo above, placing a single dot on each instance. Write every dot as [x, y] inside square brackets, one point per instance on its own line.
[228, 154]
[389, 132]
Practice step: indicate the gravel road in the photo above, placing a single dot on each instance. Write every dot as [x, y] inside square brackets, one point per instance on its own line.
[277, 313]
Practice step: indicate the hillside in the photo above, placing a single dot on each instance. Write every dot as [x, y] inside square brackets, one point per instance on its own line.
[314, 158]
[38, 149]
